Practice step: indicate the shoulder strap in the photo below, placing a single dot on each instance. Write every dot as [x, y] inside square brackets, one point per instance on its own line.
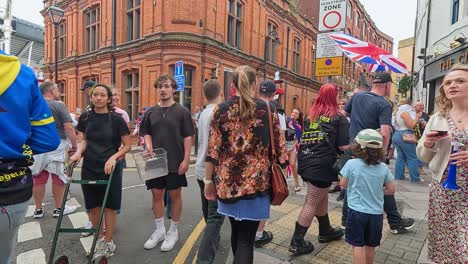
[270, 124]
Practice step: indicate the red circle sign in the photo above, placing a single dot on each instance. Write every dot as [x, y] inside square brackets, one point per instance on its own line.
[337, 23]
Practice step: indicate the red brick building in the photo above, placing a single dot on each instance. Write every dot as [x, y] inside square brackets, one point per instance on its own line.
[358, 24]
[212, 37]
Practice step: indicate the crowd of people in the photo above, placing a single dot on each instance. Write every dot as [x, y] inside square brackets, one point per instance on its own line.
[233, 166]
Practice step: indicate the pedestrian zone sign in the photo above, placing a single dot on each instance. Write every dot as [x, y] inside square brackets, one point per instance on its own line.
[179, 75]
[329, 66]
[332, 15]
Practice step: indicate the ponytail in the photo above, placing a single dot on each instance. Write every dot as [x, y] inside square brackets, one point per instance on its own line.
[243, 78]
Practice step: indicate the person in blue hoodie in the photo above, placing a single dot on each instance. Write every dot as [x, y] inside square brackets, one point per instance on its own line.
[27, 128]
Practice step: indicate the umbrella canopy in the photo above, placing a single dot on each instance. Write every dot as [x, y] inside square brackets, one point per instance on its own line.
[361, 51]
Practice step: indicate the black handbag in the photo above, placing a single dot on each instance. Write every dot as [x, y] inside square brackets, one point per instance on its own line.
[341, 159]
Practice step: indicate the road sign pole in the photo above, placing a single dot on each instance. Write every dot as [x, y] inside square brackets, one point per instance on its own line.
[181, 98]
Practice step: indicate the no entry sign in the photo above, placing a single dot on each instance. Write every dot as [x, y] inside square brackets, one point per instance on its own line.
[332, 14]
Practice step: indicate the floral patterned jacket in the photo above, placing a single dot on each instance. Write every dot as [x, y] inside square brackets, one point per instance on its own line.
[240, 151]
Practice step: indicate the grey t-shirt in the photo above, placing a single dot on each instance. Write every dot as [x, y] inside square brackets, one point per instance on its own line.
[61, 115]
[204, 122]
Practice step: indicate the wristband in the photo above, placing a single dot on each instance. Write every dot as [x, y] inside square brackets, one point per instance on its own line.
[206, 181]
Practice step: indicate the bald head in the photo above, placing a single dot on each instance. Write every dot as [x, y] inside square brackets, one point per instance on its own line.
[418, 106]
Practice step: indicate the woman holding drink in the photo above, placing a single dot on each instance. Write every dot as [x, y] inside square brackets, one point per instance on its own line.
[448, 207]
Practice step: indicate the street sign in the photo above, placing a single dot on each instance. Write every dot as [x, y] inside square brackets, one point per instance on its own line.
[179, 75]
[326, 47]
[329, 66]
[332, 15]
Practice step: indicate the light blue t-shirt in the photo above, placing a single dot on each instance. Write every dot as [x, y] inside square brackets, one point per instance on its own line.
[365, 185]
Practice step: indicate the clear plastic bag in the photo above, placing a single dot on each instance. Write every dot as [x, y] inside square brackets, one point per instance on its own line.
[151, 165]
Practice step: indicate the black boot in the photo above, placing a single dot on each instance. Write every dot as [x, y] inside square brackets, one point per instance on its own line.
[328, 233]
[298, 245]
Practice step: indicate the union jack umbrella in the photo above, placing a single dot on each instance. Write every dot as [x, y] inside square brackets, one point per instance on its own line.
[361, 51]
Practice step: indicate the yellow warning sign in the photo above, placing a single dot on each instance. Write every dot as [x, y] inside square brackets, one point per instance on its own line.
[329, 66]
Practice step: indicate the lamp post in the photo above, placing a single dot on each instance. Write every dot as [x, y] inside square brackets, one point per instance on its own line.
[272, 35]
[55, 15]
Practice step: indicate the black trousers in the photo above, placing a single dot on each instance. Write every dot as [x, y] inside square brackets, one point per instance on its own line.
[242, 240]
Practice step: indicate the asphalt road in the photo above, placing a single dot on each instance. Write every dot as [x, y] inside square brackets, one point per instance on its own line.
[135, 224]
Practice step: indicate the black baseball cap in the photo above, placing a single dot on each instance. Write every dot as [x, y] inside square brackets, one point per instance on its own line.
[382, 77]
[267, 87]
[87, 84]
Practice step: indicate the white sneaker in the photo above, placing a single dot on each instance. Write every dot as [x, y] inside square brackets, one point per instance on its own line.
[154, 240]
[68, 210]
[169, 241]
[99, 244]
[88, 225]
[106, 249]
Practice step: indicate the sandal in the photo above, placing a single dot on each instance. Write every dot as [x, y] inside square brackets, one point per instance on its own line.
[297, 188]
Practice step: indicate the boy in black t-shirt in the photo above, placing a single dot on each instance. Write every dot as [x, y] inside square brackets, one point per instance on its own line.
[167, 125]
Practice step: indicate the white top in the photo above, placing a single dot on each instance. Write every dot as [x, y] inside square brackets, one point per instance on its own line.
[398, 122]
[437, 157]
[282, 121]
[204, 121]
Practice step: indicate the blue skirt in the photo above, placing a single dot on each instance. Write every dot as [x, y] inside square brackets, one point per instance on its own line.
[257, 209]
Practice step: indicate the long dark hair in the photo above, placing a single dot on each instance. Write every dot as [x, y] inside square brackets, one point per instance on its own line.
[110, 105]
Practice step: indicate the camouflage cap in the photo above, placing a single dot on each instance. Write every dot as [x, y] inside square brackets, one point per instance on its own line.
[369, 138]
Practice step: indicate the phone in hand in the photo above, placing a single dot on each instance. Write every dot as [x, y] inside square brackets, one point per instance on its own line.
[441, 133]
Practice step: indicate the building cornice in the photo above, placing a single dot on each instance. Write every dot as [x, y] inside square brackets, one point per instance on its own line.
[177, 40]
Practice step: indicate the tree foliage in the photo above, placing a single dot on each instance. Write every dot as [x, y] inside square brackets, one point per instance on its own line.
[404, 85]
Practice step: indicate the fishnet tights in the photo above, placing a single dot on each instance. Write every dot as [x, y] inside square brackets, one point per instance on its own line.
[316, 203]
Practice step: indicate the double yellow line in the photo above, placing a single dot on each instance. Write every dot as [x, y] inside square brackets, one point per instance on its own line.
[187, 247]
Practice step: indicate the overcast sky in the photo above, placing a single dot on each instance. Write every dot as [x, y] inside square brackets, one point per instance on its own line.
[393, 17]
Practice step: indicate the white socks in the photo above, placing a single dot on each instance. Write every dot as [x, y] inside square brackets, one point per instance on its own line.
[161, 228]
[160, 225]
[173, 227]
[258, 235]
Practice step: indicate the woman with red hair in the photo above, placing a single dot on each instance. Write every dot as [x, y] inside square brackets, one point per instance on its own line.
[325, 134]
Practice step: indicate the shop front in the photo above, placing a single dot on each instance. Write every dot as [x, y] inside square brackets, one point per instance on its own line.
[436, 70]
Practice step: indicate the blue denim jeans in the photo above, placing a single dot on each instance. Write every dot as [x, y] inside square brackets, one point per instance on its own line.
[11, 217]
[406, 155]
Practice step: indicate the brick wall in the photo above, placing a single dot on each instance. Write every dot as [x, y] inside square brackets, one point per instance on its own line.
[194, 31]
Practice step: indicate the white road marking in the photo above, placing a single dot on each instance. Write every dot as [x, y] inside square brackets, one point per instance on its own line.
[36, 256]
[31, 208]
[87, 242]
[78, 220]
[29, 231]
[73, 202]
[30, 211]
[133, 186]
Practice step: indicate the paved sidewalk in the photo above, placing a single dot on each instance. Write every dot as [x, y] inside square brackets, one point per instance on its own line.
[406, 248]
